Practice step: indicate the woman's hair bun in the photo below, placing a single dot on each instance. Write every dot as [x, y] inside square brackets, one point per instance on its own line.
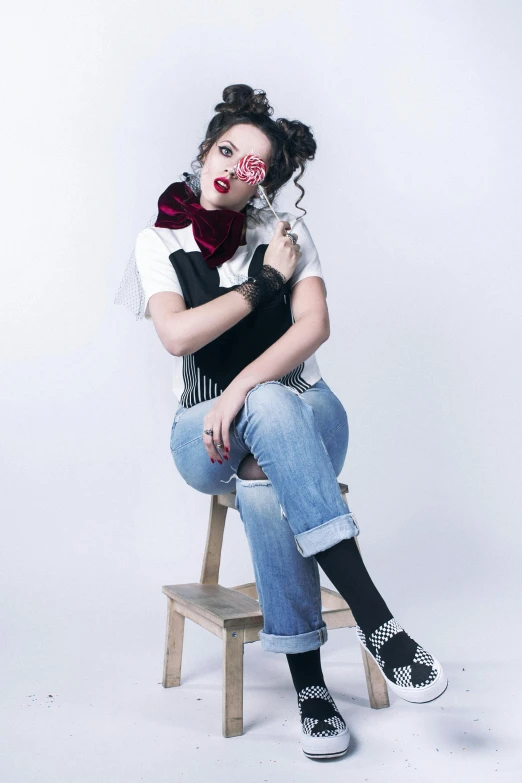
[292, 143]
[242, 99]
[300, 141]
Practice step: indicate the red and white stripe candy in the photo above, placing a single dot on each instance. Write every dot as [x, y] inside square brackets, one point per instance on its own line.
[251, 169]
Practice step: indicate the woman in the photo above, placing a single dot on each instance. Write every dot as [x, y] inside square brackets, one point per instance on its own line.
[242, 308]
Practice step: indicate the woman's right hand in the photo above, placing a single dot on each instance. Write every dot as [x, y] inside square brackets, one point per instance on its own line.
[281, 253]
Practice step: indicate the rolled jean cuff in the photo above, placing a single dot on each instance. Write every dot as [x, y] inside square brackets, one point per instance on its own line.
[322, 537]
[302, 642]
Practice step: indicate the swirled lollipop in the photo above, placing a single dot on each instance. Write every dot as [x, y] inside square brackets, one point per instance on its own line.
[252, 170]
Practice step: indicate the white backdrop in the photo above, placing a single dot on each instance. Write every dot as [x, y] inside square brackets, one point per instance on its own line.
[414, 202]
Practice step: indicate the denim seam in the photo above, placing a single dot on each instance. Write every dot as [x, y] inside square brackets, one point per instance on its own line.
[178, 448]
[325, 440]
[179, 412]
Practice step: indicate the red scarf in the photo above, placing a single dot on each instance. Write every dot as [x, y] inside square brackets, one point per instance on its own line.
[216, 231]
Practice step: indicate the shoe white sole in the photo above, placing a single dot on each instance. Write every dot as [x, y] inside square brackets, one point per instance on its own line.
[325, 747]
[416, 695]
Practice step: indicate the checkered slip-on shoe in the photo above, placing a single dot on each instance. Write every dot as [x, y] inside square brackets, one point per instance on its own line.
[322, 738]
[423, 680]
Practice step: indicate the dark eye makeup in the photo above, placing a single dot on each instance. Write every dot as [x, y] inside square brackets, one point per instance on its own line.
[224, 147]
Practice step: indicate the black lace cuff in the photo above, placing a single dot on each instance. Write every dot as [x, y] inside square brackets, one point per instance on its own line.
[263, 287]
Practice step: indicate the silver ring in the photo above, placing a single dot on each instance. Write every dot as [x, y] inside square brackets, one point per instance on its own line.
[208, 432]
[219, 445]
[293, 238]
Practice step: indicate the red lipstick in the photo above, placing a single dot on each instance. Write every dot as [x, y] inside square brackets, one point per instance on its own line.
[222, 185]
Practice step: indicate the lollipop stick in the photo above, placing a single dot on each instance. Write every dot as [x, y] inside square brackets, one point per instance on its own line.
[261, 188]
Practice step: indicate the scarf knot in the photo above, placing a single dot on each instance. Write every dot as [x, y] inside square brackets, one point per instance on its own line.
[217, 231]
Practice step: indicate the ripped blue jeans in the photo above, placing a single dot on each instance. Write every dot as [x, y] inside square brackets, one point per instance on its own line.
[300, 442]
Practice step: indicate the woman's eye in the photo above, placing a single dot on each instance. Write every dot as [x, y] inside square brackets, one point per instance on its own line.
[226, 148]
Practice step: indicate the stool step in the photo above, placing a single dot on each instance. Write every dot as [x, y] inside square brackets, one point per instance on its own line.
[222, 605]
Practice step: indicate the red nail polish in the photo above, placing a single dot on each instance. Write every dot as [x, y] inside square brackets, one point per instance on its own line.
[227, 449]
[211, 459]
[220, 461]
[225, 456]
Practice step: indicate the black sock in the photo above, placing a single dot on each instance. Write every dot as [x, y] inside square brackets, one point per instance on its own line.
[318, 711]
[344, 566]
[306, 668]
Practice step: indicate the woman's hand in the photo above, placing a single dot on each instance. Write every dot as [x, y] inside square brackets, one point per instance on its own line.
[220, 416]
[281, 253]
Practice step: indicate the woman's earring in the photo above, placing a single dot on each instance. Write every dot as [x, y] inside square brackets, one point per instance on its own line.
[193, 181]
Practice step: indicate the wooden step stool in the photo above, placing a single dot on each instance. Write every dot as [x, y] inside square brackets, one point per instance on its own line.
[233, 614]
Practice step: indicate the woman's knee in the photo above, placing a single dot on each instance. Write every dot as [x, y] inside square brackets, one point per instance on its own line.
[196, 470]
[275, 400]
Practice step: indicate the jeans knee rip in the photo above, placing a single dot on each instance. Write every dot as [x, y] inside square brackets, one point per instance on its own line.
[248, 482]
[255, 482]
[264, 383]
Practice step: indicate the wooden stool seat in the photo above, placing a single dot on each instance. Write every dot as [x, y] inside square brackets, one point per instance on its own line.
[233, 614]
[222, 607]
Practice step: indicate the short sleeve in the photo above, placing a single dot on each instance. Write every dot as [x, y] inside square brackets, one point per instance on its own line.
[309, 265]
[154, 266]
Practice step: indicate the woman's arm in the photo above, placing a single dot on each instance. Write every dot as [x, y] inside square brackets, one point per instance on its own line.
[301, 340]
[311, 327]
[183, 331]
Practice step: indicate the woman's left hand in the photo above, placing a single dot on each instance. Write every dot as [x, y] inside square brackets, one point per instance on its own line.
[220, 416]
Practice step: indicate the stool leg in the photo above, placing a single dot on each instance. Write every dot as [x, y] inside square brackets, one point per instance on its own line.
[233, 650]
[173, 646]
[375, 682]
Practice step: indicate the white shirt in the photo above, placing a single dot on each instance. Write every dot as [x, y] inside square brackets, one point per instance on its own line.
[170, 260]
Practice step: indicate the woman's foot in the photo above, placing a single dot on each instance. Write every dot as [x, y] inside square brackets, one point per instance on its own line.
[410, 671]
[325, 734]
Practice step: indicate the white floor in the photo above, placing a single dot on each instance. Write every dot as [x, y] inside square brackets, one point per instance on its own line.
[84, 715]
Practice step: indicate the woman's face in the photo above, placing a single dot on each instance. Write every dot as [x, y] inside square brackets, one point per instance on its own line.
[234, 144]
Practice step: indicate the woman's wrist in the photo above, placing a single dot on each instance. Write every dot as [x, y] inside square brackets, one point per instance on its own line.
[272, 273]
[263, 287]
[243, 383]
